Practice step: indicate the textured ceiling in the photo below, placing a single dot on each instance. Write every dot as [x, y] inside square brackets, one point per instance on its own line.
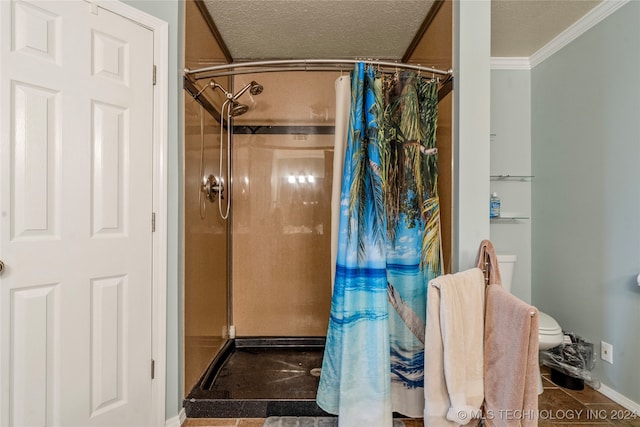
[522, 27]
[382, 29]
[257, 29]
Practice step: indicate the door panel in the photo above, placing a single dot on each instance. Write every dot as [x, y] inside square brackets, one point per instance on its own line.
[35, 313]
[76, 104]
[35, 166]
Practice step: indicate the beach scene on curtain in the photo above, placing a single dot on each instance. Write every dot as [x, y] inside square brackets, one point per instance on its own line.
[388, 249]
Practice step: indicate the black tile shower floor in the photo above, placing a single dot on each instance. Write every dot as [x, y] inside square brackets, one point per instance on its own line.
[278, 373]
[260, 377]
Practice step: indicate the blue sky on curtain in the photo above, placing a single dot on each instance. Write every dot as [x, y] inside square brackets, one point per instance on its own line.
[388, 250]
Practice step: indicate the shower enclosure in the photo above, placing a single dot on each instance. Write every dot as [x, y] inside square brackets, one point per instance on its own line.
[258, 285]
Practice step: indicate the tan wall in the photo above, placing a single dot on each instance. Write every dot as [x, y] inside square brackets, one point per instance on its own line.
[281, 230]
[444, 143]
[436, 50]
[291, 98]
[200, 47]
[205, 240]
[281, 236]
[205, 252]
[436, 46]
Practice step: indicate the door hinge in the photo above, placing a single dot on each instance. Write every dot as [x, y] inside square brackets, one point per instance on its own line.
[154, 75]
[153, 222]
[153, 369]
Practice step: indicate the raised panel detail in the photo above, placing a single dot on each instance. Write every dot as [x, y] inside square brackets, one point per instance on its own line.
[34, 316]
[108, 298]
[35, 161]
[109, 170]
[35, 32]
[110, 57]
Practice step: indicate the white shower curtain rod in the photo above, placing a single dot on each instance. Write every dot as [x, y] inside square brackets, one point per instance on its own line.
[301, 65]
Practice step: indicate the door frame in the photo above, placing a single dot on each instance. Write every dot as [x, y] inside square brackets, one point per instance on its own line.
[160, 31]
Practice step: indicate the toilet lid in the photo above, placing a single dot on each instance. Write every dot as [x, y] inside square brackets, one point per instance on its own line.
[548, 325]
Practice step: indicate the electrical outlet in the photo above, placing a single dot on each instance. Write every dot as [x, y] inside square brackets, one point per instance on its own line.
[606, 352]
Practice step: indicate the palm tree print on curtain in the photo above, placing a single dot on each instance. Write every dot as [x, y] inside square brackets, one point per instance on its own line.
[409, 179]
[388, 249]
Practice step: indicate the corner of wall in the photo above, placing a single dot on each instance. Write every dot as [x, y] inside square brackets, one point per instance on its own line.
[472, 23]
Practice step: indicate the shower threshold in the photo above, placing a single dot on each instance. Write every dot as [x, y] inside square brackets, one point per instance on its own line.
[259, 378]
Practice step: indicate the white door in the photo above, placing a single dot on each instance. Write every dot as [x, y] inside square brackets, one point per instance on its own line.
[76, 104]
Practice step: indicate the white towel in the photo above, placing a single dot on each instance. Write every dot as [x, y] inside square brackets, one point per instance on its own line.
[454, 389]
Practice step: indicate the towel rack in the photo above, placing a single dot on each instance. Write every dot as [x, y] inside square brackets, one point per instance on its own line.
[487, 261]
[485, 268]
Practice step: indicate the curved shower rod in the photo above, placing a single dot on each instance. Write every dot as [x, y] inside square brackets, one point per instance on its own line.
[301, 65]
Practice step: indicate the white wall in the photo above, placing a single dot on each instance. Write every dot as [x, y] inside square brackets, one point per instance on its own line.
[511, 154]
[472, 83]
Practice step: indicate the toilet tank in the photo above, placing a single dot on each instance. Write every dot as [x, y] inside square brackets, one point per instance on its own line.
[506, 264]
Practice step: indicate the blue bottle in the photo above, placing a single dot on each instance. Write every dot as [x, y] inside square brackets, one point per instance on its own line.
[494, 206]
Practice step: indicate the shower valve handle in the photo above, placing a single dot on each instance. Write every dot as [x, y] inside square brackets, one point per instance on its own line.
[212, 188]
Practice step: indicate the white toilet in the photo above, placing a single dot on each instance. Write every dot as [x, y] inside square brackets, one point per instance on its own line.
[549, 331]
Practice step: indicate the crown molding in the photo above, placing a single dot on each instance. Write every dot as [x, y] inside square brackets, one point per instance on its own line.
[510, 63]
[597, 14]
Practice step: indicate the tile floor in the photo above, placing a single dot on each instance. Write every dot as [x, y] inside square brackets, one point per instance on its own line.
[558, 407]
[562, 407]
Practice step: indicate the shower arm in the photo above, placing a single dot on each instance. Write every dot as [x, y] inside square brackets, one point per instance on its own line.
[214, 85]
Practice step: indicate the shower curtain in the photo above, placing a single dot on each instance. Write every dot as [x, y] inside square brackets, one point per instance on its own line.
[388, 250]
[343, 104]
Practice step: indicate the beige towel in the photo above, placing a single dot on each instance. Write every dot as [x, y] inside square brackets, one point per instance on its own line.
[487, 261]
[453, 359]
[511, 360]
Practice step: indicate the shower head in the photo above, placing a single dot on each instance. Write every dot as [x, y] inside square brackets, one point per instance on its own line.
[238, 109]
[235, 108]
[254, 88]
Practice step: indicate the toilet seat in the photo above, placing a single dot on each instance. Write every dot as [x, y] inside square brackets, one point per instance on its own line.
[547, 325]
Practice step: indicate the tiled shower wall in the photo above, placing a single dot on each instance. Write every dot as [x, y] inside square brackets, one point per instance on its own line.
[205, 251]
[282, 222]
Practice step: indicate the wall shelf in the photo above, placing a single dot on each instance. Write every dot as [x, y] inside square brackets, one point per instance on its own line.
[508, 219]
[507, 177]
